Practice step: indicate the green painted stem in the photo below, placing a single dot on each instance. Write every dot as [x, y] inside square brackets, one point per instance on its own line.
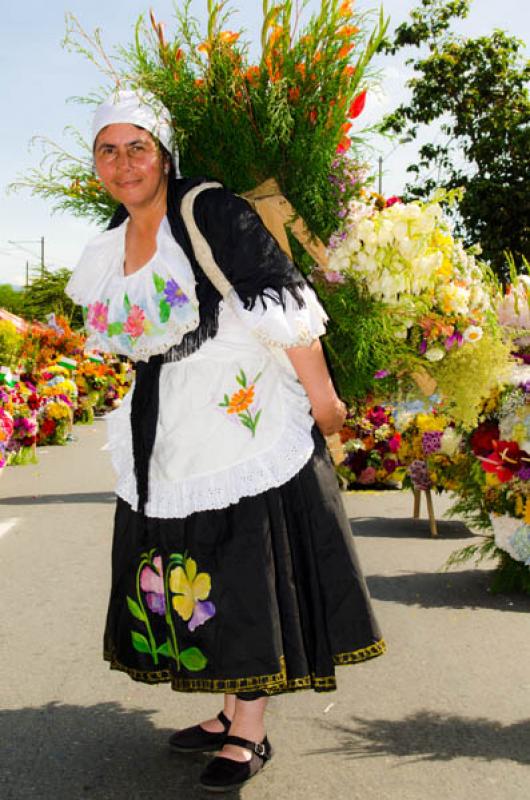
[169, 619]
[152, 641]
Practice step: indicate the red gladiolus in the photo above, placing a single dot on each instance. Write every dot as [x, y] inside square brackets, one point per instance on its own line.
[358, 104]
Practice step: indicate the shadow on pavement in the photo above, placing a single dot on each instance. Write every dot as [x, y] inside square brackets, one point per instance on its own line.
[101, 752]
[50, 499]
[430, 736]
[407, 528]
[464, 589]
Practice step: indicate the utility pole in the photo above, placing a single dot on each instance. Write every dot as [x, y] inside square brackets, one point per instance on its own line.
[380, 181]
[27, 273]
[42, 255]
[21, 242]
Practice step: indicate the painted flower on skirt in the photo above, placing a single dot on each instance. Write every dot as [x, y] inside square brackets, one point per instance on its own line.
[152, 583]
[191, 590]
[134, 324]
[98, 316]
[241, 400]
[174, 294]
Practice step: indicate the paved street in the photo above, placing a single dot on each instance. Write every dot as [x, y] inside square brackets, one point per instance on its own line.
[445, 714]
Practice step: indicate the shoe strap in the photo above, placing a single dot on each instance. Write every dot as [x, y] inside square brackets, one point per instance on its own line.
[259, 748]
[223, 719]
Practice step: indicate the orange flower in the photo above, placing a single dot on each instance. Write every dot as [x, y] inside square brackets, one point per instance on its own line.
[294, 94]
[344, 145]
[345, 50]
[179, 54]
[275, 35]
[241, 400]
[313, 116]
[317, 57]
[346, 31]
[199, 82]
[346, 8]
[300, 68]
[228, 37]
[346, 127]
[252, 75]
[348, 72]
[204, 47]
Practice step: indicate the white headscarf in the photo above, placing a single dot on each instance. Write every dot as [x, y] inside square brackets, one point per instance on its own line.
[137, 107]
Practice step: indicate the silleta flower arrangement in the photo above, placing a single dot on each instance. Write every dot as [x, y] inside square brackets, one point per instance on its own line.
[288, 115]
[429, 444]
[434, 301]
[492, 483]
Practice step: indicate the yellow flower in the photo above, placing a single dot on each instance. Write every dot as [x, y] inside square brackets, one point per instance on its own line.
[492, 479]
[189, 587]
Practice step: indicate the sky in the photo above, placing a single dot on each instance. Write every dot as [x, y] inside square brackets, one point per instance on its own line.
[39, 75]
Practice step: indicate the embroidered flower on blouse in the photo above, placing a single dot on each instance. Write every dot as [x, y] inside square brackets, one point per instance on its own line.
[134, 325]
[174, 294]
[190, 591]
[98, 316]
[241, 401]
[152, 583]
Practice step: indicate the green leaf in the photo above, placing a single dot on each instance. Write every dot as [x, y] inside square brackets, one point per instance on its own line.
[165, 311]
[115, 328]
[256, 419]
[166, 650]
[242, 379]
[126, 303]
[135, 609]
[176, 558]
[159, 282]
[193, 659]
[140, 643]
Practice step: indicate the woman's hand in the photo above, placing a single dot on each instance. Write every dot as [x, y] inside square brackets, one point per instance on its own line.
[330, 418]
[310, 366]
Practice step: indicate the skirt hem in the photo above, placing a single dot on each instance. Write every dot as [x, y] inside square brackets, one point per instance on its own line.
[277, 683]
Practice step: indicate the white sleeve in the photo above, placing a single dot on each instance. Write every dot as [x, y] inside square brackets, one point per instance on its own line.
[283, 326]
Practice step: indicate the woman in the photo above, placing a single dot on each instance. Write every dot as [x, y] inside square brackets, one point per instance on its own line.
[233, 566]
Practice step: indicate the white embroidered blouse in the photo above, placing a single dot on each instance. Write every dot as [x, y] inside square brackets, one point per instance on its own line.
[233, 419]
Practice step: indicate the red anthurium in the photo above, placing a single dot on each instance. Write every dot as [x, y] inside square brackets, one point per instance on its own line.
[483, 438]
[504, 461]
[358, 104]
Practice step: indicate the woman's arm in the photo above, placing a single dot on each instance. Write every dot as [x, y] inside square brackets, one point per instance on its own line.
[310, 366]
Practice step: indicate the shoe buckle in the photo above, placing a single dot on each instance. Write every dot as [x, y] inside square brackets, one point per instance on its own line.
[260, 750]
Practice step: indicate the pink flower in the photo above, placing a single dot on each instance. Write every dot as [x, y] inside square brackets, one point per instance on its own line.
[334, 277]
[134, 325]
[153, 586]
[367, 476]
[98, 316]
[394, 443]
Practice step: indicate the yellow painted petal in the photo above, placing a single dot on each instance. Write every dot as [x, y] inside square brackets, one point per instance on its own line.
[201, 586]
[178, 581]
[191, 569]
[184, 605]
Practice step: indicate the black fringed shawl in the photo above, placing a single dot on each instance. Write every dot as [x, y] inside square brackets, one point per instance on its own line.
[252, 261]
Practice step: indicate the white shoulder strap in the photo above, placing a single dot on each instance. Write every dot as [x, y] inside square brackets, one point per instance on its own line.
[201, 248]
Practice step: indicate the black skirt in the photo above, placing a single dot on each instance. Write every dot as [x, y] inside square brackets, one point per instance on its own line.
[266, 594]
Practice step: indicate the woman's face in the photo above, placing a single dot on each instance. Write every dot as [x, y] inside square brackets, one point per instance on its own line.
[130, 165]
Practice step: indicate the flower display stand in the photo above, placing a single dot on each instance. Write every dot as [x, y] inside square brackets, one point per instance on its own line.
[430, 508]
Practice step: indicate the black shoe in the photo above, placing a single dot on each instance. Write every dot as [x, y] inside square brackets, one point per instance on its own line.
[223, 774]
[197, 740]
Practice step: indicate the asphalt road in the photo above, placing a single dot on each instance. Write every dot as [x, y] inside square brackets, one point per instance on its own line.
[445, 714]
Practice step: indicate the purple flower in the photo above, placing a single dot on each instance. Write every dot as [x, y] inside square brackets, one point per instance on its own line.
[203, 611]
[334, 277]
[431, 442]
[524, 473]
[382, 373]
[174, 294]
[423, 346]
[419, 475]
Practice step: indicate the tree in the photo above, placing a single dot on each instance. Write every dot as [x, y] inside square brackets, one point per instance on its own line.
[45, 295]
[10, 298]
[477, 90]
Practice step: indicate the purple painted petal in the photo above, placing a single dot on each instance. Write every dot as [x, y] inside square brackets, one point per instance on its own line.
[156, 603]
[204, 610]
[450, 341]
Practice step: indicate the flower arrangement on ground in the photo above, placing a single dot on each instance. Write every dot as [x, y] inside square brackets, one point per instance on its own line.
[492, 483]
[430, 442]
[371, 446]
